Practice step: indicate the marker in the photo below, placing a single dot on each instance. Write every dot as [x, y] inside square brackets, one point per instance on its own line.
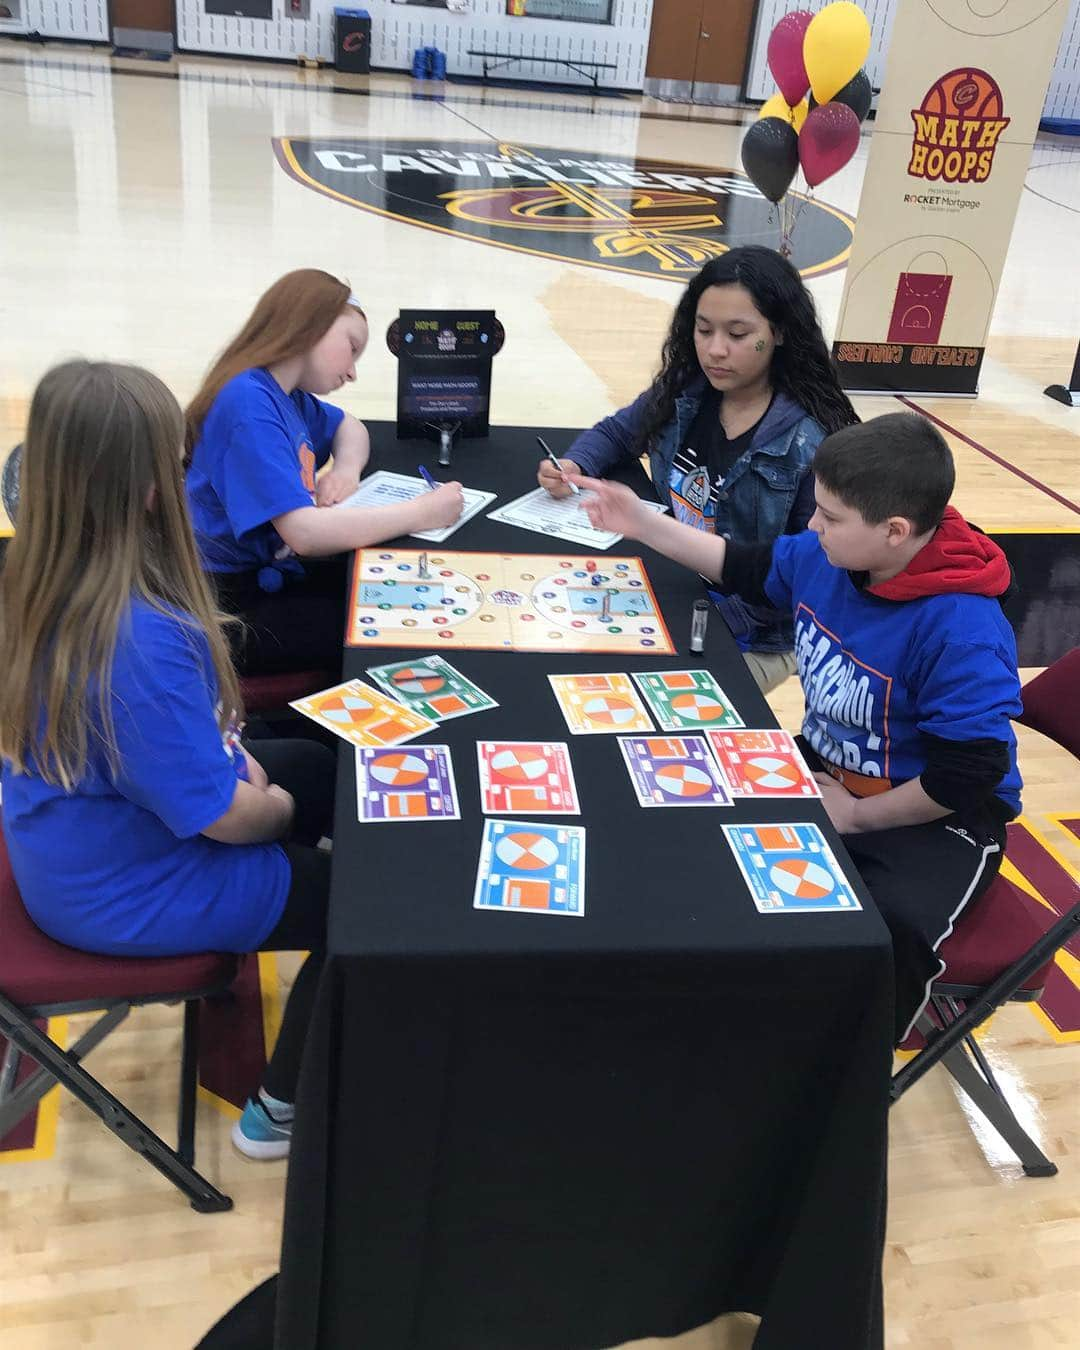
[698, 621]
[426, 477]
[232, 740]
[562, 472]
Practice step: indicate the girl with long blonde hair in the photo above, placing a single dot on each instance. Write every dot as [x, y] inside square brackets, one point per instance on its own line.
[258, 432]
[136, 821]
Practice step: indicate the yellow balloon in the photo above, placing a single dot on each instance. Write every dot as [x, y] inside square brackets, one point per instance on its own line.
[777, 107]
[836, 45]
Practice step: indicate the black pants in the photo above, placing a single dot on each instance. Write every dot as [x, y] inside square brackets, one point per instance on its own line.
[300, 627]
[922, 877]
[308, 771]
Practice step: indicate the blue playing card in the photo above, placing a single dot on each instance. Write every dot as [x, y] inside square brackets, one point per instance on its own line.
[789, 868]
[531, 868]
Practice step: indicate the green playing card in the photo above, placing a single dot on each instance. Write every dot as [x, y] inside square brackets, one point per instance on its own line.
[432, 686]
[683, 700]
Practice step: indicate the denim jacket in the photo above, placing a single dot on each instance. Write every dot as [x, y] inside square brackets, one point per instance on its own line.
[768, 491]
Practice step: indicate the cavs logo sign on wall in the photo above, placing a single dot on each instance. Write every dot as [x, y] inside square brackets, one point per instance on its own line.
[957, 128]
[647, 217]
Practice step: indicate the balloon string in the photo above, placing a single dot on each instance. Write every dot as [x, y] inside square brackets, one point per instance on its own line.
[789, 211]
[787, 225]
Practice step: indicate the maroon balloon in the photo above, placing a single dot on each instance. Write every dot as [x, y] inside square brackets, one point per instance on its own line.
[828, 139]
[786, 56]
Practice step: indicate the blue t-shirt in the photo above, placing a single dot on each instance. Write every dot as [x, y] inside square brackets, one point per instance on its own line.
[119, 865]
[878, 675]
[255, 459]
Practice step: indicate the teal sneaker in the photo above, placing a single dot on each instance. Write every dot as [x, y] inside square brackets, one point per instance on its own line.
[258, 1135]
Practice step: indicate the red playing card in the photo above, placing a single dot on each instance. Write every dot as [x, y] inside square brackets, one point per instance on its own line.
[519, 777]
[762, 764]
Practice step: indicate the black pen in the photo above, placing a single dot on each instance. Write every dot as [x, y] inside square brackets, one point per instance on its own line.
[562, 472]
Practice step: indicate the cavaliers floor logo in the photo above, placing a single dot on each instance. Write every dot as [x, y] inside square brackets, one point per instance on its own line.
[647, 217]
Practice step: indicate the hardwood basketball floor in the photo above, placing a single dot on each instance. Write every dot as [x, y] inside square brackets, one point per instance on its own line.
[143, 212]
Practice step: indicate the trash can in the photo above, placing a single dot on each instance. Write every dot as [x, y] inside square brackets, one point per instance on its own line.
[352, 40]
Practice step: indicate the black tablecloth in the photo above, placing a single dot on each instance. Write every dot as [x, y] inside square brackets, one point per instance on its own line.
[531, 1133]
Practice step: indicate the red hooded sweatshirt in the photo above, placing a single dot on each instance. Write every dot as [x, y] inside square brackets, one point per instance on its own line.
[958, 559]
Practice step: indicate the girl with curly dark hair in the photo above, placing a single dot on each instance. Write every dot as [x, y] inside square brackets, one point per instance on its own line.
[745, 393]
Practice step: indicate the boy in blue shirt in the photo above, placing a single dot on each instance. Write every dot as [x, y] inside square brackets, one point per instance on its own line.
[907, 663]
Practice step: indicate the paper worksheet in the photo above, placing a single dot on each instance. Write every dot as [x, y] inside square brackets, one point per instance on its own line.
[384, 488]
[562, 518]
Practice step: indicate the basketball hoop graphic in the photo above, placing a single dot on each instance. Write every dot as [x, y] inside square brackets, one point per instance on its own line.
[919, 307]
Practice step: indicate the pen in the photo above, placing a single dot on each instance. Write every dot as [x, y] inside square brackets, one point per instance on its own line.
[551, 455]
[426, 477]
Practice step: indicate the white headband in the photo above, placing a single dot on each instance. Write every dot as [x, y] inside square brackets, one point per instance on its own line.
[352, 300]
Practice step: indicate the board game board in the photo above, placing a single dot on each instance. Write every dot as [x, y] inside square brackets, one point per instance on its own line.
[518, 602]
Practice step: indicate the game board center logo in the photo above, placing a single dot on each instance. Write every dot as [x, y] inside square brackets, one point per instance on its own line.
[645, 216]
[505, 597]
[957, 128]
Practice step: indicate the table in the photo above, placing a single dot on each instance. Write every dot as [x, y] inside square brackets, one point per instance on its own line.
[590, 69]
[530, 1133]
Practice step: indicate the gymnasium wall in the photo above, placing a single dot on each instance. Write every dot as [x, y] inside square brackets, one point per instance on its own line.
[87, 20]
[398, 29]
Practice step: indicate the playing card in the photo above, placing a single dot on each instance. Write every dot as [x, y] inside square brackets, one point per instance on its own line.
[519, 777]
[593, 704]
[432, 687]
[416, 783]
[789, 868]
[686, 700]
[362, 715]
[531, 868]
[673, 771]
[762, 764]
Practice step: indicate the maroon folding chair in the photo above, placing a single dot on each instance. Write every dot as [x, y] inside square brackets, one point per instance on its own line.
[40, 978]
[1001, 951]
[268, 695]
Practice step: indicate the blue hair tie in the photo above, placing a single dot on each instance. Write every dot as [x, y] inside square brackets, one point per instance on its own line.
[270, 580]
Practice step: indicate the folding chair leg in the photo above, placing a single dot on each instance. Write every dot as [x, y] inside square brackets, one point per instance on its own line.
[9, 1072]
[128, 1127]
[19, 1101]
[992, 1102]
[189, 1076]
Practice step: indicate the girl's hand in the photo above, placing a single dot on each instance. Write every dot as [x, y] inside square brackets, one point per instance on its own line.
[839, 803]
[554, 482]
[437, 509]
[612, 506]
[336, 484]
[287, 807]
[256, 774]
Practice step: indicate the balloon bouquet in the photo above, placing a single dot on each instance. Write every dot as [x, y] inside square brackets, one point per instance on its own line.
[821, 54]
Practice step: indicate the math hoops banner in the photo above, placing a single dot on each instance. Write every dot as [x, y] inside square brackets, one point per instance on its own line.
[960, 105]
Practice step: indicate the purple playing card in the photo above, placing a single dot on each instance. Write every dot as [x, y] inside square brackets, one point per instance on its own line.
[673, 771]
[414, 782]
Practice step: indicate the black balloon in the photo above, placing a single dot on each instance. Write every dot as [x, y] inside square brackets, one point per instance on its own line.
[856, 95]
[770, 156]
